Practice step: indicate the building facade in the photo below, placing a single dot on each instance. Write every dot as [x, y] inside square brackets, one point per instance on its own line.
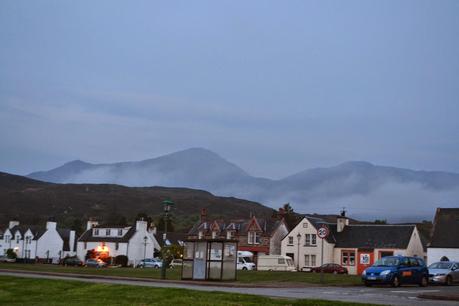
[444, 243]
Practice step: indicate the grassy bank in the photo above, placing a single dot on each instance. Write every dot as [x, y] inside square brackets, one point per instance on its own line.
[25, 291]
[244, 277]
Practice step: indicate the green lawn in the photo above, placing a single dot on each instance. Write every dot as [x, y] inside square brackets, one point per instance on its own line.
[244, 277]
[27, 291]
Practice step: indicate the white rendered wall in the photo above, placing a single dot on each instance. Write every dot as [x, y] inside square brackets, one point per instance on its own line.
[435, 254]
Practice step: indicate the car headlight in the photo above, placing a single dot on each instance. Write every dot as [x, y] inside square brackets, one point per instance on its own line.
[385, 272]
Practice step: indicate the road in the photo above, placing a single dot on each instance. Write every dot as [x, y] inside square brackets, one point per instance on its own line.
[379, 295]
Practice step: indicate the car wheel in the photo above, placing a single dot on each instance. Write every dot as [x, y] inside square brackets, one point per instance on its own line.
[449, 280]
[424, 282]
[245, 268]
[395, 282]
[156, 267]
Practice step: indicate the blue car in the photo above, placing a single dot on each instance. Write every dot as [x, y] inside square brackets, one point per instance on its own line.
[397, 270]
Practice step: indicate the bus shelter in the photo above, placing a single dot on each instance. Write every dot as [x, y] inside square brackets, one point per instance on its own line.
[210, 259]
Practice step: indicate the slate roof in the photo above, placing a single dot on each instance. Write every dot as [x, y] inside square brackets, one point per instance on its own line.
[374, 236]
[241, 226]
[445, 228]
[88, 237]
[65, 235]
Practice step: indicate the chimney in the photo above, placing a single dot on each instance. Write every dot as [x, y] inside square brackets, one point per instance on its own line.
[91, 223]
[141, 225]
[72, 241]
[203, 215]
[281, 213]
[51, 225]
[13, 224]
[341, 221]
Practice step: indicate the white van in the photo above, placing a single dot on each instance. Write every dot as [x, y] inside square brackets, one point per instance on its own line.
[275, 263]
[245, 260]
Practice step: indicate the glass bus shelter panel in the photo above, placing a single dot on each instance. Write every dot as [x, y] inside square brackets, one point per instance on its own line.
[229, 261]
[200, 256]
[215, 260]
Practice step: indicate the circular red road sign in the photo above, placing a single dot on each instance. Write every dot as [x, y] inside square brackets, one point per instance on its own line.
[323, 232]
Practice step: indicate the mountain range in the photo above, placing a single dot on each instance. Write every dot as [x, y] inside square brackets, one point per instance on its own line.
[366, 190]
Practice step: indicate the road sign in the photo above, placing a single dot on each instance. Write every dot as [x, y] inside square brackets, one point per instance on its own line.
[323, 232]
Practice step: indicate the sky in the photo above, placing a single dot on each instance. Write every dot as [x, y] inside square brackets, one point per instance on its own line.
[274, 86]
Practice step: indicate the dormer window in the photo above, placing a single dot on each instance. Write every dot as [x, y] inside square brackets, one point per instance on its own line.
[120, 232]
[96, 232]
[229, 235]
[200, 235]
[253, 238]
[214, 234]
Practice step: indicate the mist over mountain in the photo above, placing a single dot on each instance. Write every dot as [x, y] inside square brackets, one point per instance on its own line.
[366, 190]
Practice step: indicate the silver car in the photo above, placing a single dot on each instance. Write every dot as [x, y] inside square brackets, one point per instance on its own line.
[444, 272]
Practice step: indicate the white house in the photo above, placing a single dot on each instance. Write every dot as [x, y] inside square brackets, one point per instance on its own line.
[353, 246]
[136, 242]
[31, 242]
[444, 243]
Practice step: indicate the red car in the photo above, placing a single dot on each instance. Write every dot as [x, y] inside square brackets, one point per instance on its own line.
[330, 268]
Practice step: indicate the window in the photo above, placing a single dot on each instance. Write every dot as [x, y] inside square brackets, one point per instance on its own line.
[214, 234]
[348, 258]
[307, 239]
[96, 232]
[257, 238]
[290, 240]
[200, 235]
[107, 232]
[120, 232]
[18, 238]
[281, 261]
[313, 239]
[250, 238]
[306, 260]
[229, 235]
[7, 238]
[117, 246]
[313, 260]
[305, 225]
[85, 245]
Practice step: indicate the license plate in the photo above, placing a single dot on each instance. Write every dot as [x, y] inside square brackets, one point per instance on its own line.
[371, 277]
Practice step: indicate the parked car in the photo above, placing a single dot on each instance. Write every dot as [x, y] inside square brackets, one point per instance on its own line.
[95, 263]
[150, 263]
[4, 258]
[397, 270]
[176, 263]
[72, 261]
[275, 263]
[444, 272]
[330, 268]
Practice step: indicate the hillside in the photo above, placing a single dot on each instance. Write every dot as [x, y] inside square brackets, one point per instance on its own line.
[33, 202]
[368, 191]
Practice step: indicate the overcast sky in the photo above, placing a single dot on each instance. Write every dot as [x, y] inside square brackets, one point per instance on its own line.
[275, 87]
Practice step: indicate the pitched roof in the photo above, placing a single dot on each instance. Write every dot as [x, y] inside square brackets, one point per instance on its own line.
[65, 235]
[374, 236]
[88, 237]
[241, 225]
[445, 228]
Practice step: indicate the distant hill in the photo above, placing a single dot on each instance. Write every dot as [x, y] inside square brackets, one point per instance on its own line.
[33, 202]
[367, 190]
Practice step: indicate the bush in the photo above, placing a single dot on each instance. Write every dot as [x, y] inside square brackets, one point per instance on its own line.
[121, 260]
[10, 253]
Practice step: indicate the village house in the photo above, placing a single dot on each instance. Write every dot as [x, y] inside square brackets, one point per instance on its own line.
[354, 246]
[48, 243]
[259, 236]
[135, 242]
[444, 242]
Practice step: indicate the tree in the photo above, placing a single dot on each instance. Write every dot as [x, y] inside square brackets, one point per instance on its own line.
[170, 252]
[290, 216]
[382, 221]
[160, 224]
[10, 253]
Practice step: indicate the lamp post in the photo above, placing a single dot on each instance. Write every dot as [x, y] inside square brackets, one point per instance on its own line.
[298, 256]
[167, 204]
[144, 248]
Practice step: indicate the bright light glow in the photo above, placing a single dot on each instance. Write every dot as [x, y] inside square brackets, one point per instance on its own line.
[102, 249]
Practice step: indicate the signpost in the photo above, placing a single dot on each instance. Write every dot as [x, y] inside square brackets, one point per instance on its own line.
[322, 233]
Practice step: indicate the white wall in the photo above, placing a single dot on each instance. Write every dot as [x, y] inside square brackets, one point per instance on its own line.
[305, 227]
[81, 251]
[415, 245]
[50, 241]
[275, 243]
[435, 254]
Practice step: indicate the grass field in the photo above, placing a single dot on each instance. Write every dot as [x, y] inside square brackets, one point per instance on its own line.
[244, 277]
[25, 291]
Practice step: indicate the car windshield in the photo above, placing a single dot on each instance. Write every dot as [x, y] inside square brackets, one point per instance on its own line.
[247, 259]
[441, 265]
[289, 262]
[387, 262]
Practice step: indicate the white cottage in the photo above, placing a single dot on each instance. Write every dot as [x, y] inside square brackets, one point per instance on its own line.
[354, 246]
[444, 243]
[136, 242]
[47, 243]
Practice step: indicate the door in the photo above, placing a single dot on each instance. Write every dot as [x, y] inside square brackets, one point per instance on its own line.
[365, 259]
[455, 272]
[406, 271]
[199, 265]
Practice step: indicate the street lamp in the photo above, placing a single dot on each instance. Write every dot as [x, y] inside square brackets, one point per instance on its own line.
[167, 205]
[144, 249]
[298, 256]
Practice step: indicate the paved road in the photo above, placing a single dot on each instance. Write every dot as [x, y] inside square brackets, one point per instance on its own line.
[380, 295]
